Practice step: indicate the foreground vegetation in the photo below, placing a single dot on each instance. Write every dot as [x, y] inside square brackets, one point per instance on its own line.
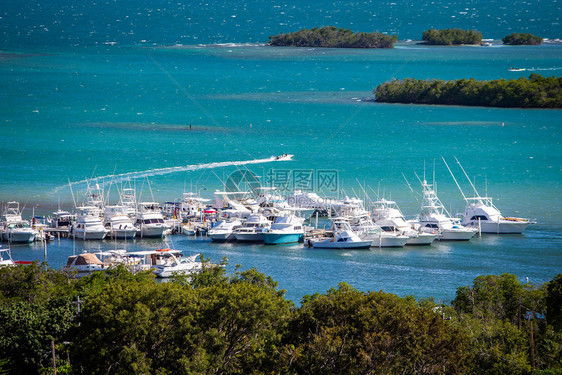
[522, 39]
[119, 323]
[534, 92]
[331, 36]
[451, 36]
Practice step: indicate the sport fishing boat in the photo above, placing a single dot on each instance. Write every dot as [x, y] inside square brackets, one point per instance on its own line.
[224, 230]
[118, 223]
[366, 229]
[150, 221]
[88, 225]
[251, 229]
[344, 238]
[481, 214]
[388, 216]
[434, 218]
[15, 229]
[284, 230]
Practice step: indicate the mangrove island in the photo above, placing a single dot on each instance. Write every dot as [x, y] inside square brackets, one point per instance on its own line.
[520, 39]
[449, 37]
[534, 92]
[332, 37]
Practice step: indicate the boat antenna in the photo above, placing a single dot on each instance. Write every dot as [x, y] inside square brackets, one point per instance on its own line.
[471, 184]
[452, 175]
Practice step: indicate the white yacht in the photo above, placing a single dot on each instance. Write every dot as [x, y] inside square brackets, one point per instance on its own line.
[88, 225]
[192, 205]
[388, 216]
[434, 218]
[481, 214]
[224, 230]
[284, 230]
[344, 238]
[251, 229]
[118, 223]
[15, 229]
[150, 222]
[366, 229]
[128, 199]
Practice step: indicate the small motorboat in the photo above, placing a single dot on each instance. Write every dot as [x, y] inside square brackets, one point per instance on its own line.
[344, 238]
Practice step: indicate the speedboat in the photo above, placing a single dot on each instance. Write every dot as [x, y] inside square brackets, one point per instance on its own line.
[85, 264]
[118, 223]
[150, 221]
[344, 238]
[251, 229]
[285, 229]
[283, 157]
[15, 229]
[516, 69]
[224, 230]
[88, 225]
[480, 213]
[388, 216]
[435, 219]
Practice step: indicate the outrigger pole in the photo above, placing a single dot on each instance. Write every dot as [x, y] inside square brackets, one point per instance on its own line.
[452, 175]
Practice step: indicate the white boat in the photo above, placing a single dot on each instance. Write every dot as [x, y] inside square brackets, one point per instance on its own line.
[251, 229]
[366, 229]
[88, 225]
[166, 262]
[434, 218]
[150, 221]
[192, 205]
[388, 216]
[15, 228]
[118, 223]
[283, 157]
[85, 264]
[6, 258]
[285, 229]
[61, 219]
[481, 214]
[344, 238]
[224, 230]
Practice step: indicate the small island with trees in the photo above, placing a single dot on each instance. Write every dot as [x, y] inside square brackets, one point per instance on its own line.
[522, 39]
[332, 37]
[449, 37]
[533, 92]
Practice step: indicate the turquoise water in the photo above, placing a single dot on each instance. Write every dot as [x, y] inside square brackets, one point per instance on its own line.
[72, 108]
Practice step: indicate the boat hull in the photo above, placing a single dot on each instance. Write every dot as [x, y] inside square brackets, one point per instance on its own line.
[152, 231]
[248, 237]
[323, 244]
[423, 239]
[502, 227]
[88, 235]
[455, 235]
[20, 237]
[281, 238]
[123, 234]
[221, 237]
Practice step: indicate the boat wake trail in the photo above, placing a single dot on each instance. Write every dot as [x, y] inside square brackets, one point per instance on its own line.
[116, 178]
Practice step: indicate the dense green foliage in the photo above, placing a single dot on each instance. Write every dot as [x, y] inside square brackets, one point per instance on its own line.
[522, 39]
[534, 92]
[451, 36]
[214, 323]
[330, 36]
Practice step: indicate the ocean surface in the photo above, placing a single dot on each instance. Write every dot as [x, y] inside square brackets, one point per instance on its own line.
[176, 97]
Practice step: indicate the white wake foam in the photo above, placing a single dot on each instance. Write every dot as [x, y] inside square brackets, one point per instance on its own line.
[117, 178]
